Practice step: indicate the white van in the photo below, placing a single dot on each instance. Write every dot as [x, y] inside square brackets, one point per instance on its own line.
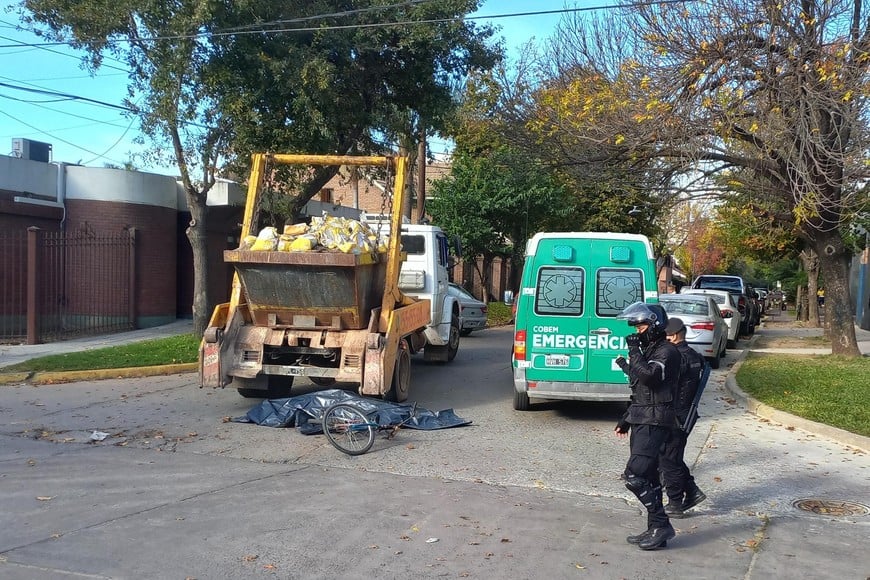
[566, 335]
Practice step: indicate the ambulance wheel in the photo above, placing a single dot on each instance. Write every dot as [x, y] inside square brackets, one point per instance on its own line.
[400, 387]
[521, 401]
[453, 341]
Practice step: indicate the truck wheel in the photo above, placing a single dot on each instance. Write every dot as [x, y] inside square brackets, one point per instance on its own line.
[279, 386]
[248, 387]
[400, 387]
[322, 381]
[521, 401]
[453, 341]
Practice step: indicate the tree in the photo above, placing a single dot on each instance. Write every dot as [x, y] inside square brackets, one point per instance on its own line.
[218, 81]
[494, 202]
[776, 89]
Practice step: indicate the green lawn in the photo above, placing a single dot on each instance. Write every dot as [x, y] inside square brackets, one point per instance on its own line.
[826, 389]
[160, 351]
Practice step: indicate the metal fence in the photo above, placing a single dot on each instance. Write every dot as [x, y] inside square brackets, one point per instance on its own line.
[55, 285]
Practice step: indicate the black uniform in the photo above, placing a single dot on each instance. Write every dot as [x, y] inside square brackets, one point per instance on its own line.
[653, 373]
[675, 473]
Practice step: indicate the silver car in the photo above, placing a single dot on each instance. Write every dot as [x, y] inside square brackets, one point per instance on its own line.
[471, 310]
[706, 331]
[727, 307]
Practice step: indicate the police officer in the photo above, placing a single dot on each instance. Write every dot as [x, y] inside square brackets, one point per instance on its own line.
[683, 493]
[653, 368]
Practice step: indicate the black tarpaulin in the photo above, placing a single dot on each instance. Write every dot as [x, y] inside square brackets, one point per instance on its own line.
[306, 412]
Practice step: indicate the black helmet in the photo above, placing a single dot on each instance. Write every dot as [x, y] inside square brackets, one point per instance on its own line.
[642, 313]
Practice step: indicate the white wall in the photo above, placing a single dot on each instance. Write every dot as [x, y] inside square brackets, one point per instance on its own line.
[135, 187]
[28, 178]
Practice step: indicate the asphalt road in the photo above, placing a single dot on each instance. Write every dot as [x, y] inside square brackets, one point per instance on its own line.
[176, 491]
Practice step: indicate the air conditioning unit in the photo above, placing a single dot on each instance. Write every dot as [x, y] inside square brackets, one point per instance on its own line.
[32, 150]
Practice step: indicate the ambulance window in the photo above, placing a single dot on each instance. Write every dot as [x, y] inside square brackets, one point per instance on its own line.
[616, 289]
[559, 291]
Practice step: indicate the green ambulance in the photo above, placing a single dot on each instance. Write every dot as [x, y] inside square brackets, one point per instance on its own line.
[566, 335]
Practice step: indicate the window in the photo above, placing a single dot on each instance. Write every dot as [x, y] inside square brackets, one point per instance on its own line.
[413, 244]
[560, 291]
[616, 288]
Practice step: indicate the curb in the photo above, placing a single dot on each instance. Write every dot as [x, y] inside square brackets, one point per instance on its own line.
[51, 378]
[759, 409]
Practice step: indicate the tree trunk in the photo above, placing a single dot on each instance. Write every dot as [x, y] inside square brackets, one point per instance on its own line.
[198, 236]
[800, 309]
[834, 261]
[810, 260]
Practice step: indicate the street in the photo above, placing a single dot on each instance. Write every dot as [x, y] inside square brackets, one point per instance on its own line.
[176, 490]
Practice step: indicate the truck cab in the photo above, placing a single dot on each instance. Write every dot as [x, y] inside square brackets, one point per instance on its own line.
[424, 275]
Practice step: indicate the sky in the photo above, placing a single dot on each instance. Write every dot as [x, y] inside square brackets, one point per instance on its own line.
[97, 134]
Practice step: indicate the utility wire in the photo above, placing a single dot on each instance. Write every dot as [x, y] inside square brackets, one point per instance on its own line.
[71, 144]
[261, 30]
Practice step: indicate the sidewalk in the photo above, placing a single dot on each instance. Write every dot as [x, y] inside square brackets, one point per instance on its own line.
[13, 354]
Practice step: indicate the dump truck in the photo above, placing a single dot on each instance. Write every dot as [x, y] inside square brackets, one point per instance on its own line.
[351, 316]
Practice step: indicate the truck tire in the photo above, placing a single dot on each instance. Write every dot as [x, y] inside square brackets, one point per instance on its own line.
[251, 388]
[322, 381]
[521, 401]
[453, 341]
[279, 386]
[400, 387]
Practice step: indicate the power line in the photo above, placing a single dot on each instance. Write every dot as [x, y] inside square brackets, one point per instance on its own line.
[261, 29]
[71, 144]
[67, 96]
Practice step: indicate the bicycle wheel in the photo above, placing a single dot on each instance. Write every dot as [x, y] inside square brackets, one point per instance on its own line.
[348, 429]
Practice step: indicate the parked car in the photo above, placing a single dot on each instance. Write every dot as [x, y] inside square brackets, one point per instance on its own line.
[471, 310]
[742, 292]
[727, 307]
[706, 331]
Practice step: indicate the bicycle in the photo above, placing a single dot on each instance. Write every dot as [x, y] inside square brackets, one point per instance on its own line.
[350, 431]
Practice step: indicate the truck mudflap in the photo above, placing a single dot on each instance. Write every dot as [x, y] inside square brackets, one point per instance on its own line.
[210, 371]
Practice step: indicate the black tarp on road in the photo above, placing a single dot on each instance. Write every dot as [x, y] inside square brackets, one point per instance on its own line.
[306, 412]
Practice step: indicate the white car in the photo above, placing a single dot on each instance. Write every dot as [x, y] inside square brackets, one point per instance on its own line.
[472, 310]
[706, 331]
[728, 309]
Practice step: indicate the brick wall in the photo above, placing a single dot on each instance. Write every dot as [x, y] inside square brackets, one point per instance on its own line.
[156, 249]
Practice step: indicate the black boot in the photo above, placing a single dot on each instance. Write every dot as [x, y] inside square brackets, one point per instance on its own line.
[658, 538]
[693, 497]
[639, 538]
[675, 509]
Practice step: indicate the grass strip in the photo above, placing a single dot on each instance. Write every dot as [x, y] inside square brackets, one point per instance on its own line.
[183, 348]
[828, 389]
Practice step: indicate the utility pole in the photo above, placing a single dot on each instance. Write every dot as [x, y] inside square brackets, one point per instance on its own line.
[421, 175]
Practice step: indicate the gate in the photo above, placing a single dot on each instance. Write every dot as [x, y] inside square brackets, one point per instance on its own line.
[57, 286]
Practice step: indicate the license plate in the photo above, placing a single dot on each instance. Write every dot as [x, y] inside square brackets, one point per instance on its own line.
[295, 371]
[557, 360]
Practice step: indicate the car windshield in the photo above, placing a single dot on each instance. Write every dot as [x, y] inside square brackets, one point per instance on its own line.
[694, 307]
[719, 283]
